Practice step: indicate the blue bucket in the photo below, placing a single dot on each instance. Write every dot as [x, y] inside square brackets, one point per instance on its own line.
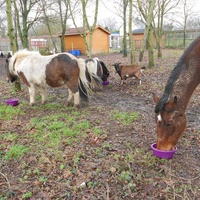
[78, 52]
[70, 51]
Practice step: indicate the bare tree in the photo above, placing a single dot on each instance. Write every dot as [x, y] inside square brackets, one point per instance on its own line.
[125, 6]
[12, 37]
[184, 13]
[110, 24]
[161, 9]
[46, 7]
[131, 44]
[23, 9]
[148, 33]
[86, 24]
[3, 18]
[65, 13]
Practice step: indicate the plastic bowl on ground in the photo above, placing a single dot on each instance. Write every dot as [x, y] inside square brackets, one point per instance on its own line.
[161, 153]
[12, 102]
[105, 82]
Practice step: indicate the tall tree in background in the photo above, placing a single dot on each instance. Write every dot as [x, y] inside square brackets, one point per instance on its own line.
[23, 9]
[148, 33]
[45, 7]
[86, 24]
[125, 6]
[11, 36]
[162, 8]
[131, 44]
[187, 12]
[64, 15]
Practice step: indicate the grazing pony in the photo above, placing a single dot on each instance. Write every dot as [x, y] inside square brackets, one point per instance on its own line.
[37, 71]
[126, 71]
[170, 108]
[97, 67]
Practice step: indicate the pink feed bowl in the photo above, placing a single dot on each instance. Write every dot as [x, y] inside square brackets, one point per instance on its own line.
[105, 83]
[12, 102]
[163, 154]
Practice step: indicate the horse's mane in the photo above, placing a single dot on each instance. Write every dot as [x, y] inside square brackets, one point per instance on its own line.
[20, 55]
[181, 66]
[24, 53]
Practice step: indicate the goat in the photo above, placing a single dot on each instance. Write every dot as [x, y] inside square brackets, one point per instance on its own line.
[126, 71]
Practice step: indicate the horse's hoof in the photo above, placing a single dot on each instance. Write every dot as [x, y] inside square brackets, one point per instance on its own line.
[32, 104]
[76, 106]
[69, 104]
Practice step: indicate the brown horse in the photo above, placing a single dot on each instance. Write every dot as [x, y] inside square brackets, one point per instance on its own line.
[170, 108]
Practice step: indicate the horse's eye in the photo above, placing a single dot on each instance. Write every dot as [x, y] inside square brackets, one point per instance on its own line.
[168, 124]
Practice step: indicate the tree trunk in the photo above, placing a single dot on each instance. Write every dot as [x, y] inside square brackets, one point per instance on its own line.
[150, 47]
[125, 3]
[149, 19]
[12, 38]
[87, 28]
[132, 50]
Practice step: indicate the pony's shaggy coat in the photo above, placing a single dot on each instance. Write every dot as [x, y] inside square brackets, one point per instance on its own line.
[98, 68]
[55, 70]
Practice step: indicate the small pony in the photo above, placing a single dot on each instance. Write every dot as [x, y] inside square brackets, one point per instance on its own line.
[98, 68]
[126, 71]
[37, 71]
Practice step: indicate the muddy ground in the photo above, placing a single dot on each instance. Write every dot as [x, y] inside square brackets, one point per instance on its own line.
[181, 175]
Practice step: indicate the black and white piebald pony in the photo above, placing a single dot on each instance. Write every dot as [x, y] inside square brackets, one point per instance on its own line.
[37, 71]
[98, 68]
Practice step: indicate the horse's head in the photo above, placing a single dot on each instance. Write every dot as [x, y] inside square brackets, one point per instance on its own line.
[9, 76]
[170, 122]
[106, 72]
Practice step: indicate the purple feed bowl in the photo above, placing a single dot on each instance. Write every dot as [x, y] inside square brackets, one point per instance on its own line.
[105, 82]
[12, 102]
[161, 153]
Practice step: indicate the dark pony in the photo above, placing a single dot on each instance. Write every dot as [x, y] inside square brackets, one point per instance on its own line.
[170, 108]
[37, 71]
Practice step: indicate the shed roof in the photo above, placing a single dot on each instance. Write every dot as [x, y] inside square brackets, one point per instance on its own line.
[81, 30]
[138, 31]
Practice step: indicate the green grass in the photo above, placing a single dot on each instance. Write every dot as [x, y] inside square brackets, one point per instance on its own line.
[16, 151]
[64, 149]
[124, 117]
[9, 112]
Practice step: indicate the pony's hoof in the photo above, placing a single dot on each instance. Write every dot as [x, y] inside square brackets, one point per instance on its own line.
[76, 106]
[32, 104]
[44, 102]
[69, 104]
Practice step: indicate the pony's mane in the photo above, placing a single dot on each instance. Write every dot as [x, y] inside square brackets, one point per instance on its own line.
[181, 66]
[24, 53]
[20, 55]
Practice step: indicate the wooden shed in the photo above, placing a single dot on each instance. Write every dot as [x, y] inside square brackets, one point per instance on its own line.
[74, 40]
[138, 35]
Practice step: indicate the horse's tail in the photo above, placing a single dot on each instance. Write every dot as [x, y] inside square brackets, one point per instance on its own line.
[85, 79]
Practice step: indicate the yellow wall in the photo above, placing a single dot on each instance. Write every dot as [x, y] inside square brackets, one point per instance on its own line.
[74, 42]
[100, 42]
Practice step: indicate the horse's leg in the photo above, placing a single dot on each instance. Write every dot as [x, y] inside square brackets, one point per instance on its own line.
[70, 98]
[43, 94]
[32, 93]
[73, 92]
[76, 99]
